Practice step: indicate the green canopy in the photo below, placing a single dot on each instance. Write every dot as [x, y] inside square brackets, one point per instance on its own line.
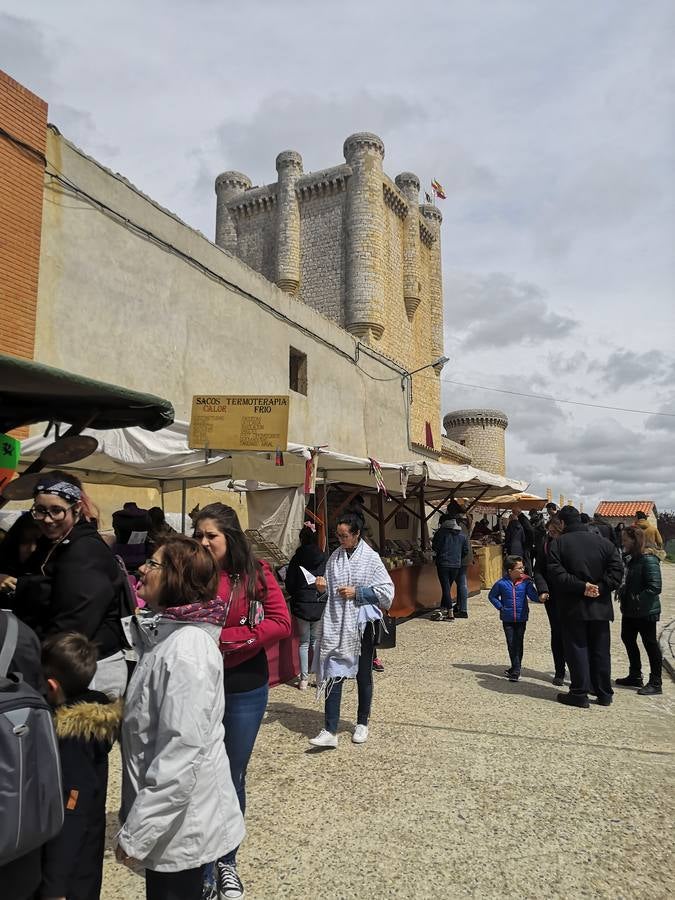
[31, 392]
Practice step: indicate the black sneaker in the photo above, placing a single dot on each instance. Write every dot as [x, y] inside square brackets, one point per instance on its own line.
[650, 689]
[605, 700]
[630, 681]
[559, 680]
[461, 614]
[229, 883]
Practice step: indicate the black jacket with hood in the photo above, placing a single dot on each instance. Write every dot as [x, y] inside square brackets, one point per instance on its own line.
[305, 603]
[75, 586]
[72, 862]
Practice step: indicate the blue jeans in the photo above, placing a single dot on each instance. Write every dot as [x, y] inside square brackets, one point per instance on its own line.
[243, 715]
[308, 632]
[364, 684]
[447, 575]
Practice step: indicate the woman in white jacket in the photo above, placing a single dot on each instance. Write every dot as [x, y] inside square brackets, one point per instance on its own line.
[179, 807]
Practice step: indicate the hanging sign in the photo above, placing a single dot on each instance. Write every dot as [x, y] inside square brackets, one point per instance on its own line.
[10, 452]
[243, 422]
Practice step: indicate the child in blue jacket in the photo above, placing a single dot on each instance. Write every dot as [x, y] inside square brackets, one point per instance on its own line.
[510, 595]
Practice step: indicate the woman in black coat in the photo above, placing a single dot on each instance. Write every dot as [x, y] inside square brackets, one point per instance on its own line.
[554, 529]
[75, 583]
[307, 605]
[640, 611]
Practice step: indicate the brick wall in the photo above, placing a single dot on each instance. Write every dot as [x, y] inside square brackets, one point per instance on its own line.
[24, 117]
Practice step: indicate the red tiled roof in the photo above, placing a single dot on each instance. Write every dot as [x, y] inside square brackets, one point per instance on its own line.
[624, 509]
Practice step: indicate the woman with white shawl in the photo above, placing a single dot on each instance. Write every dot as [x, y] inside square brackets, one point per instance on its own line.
[359, 588]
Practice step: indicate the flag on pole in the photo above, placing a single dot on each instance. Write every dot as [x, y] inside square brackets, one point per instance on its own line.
[437, 188]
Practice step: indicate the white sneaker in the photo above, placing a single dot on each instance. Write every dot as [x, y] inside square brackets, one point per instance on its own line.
[360, 735]
[324, 739]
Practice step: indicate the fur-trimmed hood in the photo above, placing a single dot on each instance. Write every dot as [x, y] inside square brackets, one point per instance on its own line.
[90, 718]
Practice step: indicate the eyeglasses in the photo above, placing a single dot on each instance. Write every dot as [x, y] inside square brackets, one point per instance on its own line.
[55, 513]
[153, 564]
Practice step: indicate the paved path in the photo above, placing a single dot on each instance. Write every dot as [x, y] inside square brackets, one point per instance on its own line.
[470, 786]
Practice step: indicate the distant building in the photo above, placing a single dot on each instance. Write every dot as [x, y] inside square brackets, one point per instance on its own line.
[615, 511]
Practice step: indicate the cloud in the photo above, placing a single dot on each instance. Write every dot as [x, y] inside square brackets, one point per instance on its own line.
[26, 55]
[627, 367]
[313, 124]
[497, 311]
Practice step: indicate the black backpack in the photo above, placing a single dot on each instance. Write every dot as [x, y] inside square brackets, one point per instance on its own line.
[31, 795]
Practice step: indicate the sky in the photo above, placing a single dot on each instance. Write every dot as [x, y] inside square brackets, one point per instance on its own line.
[549, 124]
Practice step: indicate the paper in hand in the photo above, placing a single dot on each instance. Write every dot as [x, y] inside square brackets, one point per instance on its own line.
[309, 578]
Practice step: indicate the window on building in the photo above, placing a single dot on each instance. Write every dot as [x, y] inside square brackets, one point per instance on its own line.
[463, 443]
[297, 371]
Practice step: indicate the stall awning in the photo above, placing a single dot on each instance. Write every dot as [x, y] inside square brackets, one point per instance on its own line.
[523, 501]
[132, 457]
[31, 392]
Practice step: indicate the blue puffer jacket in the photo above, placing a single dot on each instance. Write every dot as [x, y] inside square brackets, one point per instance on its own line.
[510, 598]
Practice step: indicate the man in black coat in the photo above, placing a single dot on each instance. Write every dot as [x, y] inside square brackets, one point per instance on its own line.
[585, 568]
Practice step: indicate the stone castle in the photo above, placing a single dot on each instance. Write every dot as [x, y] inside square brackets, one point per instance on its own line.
[358, 247]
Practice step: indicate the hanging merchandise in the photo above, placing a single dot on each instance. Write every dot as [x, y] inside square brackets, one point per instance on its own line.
[403, 476]
[311, 468]
[376, 470]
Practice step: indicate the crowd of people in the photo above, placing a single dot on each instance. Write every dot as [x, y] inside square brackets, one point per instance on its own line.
[174, 664]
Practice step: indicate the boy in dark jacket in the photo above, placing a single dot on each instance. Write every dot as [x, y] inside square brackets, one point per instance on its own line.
[510, 596]
[87, 724]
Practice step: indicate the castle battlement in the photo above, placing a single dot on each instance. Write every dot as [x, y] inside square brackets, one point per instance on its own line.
[355, 245]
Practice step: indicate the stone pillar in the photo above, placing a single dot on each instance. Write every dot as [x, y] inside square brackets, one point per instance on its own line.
[228, 186]
[433, 218]
[409, 186]
[287, 265]
[364, 228]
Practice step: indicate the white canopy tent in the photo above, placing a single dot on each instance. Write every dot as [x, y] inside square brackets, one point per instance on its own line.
[134, 457]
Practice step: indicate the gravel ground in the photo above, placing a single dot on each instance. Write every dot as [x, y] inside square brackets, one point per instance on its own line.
[469, 786]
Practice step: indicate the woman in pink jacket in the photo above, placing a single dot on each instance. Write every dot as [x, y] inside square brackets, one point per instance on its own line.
[257, 617]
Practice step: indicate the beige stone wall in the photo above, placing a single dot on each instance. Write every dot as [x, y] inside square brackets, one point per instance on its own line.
[256, 242]
[485, 443]
[322, 256]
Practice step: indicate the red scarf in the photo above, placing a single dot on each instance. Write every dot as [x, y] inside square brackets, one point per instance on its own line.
[214, 612]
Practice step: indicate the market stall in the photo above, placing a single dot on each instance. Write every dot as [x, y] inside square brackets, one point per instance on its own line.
[488, 546]
[398, 501]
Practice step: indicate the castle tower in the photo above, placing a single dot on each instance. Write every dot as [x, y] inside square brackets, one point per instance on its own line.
[434, 218]
[364, 231]
[409, 186]
[482, 432]
[287, 269]
[228, 186]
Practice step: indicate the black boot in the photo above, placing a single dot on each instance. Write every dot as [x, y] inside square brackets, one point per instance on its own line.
[630, 681]
[650, 689]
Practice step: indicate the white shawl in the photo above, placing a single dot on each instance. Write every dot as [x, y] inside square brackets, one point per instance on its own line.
[338, 646]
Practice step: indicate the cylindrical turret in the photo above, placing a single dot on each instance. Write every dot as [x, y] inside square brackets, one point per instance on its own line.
[409, 186]
[433, 219]
[482, 432]
[228, 186]
[364, 229]
[287, 268]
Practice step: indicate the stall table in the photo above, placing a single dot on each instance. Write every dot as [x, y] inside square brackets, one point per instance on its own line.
[417, 589]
